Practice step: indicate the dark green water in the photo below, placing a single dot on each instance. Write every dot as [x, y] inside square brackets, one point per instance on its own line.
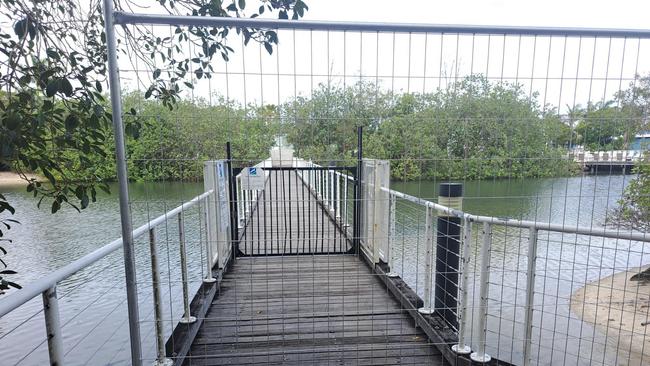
[93, 307]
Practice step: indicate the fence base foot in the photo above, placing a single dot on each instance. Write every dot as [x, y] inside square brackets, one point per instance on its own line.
[481, 358]
[187, 320]
[163, 362]
[461, 350]
[426, 311]
[392, 274]
[209, 280]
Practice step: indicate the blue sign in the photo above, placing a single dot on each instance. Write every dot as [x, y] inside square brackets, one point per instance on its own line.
[252, 171]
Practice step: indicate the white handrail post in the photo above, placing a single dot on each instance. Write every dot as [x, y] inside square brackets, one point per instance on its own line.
[530, 292]
[462, 347]
[391, 234]
[345, 201]
[480, 355]
[187, 317]
[53, 326]
[157, 302]
[338, 195]
[332, 192]
[428, 282]
[208, 248]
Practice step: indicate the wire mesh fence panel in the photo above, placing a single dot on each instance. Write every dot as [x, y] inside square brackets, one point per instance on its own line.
[379, 193]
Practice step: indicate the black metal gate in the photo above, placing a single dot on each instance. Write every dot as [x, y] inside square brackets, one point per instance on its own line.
[301, 210]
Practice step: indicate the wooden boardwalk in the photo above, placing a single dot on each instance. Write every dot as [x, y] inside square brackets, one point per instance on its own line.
[292, 304]
[288, 219]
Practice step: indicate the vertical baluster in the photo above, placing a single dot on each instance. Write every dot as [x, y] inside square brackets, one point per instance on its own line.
[480, 355]
[391, 235]
[157, 302]
[208, 247]
[530, 292]
[345, 201]
[53, 326]
[429, 237]
[462, 347]
[187, 317]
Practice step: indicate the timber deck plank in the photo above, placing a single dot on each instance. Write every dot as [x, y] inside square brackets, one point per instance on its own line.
[322, 307]
[307, 315]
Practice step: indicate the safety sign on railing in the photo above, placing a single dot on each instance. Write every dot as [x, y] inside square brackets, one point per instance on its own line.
[253, 178]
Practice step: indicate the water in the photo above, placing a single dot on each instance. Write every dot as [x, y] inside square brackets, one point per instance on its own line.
[93, 307]
[93, 301]
[565, 262]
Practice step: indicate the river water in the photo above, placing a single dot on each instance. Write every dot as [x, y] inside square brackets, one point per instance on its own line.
[93, 307]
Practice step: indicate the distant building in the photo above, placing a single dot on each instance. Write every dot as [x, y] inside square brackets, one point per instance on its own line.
[641, 141]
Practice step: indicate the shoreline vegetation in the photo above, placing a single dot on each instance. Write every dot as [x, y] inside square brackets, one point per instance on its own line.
[473, 129]
[619, 308]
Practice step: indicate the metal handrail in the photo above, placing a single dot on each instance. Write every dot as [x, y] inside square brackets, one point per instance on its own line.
[463, 346]
[208, 21]
[28, 292]
[525, 224]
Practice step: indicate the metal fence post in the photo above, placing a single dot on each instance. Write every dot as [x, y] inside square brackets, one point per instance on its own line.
[480, 355]
[337, 191]
[208, 248]
[123, 181]
[391, 234]
[157, 303]
[530, 292]
[462, 347]
[187, 317]
[53, 326]
[429, 237]
[345, 202]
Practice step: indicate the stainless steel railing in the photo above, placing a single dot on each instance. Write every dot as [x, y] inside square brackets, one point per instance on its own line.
[47, 286]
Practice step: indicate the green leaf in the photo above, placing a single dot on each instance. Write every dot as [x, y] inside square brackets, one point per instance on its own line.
[156, 74]
[71, 122]
[20, 28]
[242, 4]
[84, 201]
[268, 47]
[52, 88]
[12, 121]
[66, 87]
[56, 206]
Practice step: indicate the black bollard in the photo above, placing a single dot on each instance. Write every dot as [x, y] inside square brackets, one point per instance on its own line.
[448, 254]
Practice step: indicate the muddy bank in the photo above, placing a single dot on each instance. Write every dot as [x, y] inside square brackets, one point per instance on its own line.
[620, 309]
[11, 179]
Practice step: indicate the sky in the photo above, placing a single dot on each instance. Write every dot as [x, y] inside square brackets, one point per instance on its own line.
[566, 13]
[561, 71]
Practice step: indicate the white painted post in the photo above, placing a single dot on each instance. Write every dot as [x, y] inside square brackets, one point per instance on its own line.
[480, 355]
[462, 347]
[208, 248]
[337, 191]
[332, 192]
[53, 326]
[391, 235]
[187, 316]
[428, 281]
[345, 202]
[161, 360]
[218, 210]
[380, 222]
[530, 292]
